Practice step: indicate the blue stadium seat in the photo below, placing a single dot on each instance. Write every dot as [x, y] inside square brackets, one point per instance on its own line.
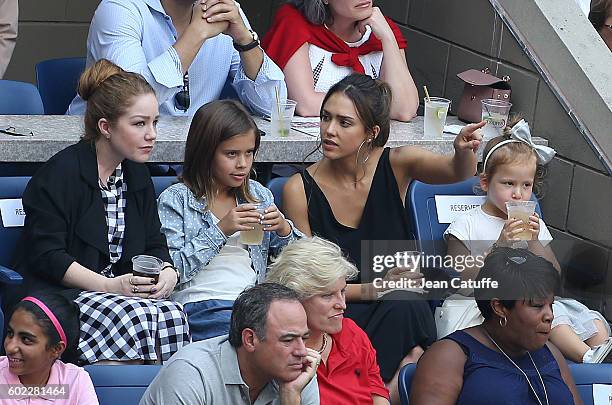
[57, 81]
[405, 380]
[276, 186]
[585, 375]
[160, 183]
[19, 98]
[121, 384]
[10, 188]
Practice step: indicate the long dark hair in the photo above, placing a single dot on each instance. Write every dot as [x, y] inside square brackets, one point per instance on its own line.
[212, 124]
[372, 101]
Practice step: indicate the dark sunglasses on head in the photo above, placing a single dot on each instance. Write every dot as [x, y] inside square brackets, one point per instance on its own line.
[181, 99]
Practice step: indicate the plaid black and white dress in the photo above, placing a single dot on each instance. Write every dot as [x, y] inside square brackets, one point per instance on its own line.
[115, 327]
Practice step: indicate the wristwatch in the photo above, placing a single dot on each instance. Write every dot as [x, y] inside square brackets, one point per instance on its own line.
[254, 43]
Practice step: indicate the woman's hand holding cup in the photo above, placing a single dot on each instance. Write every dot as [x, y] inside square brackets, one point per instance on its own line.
[130, 285]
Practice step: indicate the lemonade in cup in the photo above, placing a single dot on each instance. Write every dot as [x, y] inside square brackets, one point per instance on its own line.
[436, 109]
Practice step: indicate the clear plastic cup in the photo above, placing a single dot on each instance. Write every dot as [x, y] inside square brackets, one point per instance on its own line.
[436, 109]
[495, 113]
[281, 117]
[147, 266]
[521, 210]
[255, 235]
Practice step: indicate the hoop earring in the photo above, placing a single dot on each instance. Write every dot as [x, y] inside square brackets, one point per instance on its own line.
[359, 151]
[504, 323]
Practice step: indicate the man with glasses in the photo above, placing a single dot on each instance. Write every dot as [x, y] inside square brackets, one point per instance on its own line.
[186, 51]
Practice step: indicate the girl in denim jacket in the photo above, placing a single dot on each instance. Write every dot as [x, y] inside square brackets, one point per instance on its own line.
[203, 215]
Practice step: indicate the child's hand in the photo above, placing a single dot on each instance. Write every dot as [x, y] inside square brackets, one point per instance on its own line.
[534, 226]
[512, 227]
[274, 220]
[469, 138]
[241, 218]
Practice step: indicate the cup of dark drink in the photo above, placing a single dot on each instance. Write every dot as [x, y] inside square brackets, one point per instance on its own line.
[147, 266]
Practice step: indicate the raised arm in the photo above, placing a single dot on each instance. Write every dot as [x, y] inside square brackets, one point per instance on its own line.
[300, 84]
[256, 78]
[412, 162]
[394, 69]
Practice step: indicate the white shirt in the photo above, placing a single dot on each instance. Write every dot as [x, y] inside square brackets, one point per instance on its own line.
[326, 73]
[223, 278]
[479, 230]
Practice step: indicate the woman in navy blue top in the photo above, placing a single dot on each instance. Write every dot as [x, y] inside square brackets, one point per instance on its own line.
[507, 359]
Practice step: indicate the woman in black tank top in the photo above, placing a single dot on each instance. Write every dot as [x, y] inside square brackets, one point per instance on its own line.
[354, 194]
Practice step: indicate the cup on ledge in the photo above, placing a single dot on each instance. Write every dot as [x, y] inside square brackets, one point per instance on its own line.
[521, 210]
[147, 266]
[255, 235]
[281, 117]
[436, 109]
[495, 113]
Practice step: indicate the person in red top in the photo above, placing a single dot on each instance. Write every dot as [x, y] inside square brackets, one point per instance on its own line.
[319, 42]
[317, 271]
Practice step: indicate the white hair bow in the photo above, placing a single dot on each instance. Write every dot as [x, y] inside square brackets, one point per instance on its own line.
[520, 133]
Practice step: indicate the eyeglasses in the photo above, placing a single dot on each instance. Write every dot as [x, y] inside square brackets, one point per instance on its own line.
[181, 99]
[608, 25]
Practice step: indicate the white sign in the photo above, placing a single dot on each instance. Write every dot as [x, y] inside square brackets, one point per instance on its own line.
[602, 394]
[450, 207]
[12, 212]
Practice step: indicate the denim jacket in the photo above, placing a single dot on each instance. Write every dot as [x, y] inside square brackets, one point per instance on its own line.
[194, 239]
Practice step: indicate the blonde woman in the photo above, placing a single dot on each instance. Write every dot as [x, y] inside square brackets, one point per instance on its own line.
[317, 271]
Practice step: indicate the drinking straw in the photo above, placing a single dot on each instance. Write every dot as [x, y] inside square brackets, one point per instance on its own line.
[278, 106]
[427, 94]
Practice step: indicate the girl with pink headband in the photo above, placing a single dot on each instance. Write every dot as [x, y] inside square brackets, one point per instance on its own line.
[42, 330]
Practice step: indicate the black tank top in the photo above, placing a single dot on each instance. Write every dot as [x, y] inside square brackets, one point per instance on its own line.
[384, 218]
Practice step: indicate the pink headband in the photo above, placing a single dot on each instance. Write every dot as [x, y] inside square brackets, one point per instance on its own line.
[48, 312]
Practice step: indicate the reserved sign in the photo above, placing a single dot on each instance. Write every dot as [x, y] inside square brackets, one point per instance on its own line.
[12, 212]
[450, 206]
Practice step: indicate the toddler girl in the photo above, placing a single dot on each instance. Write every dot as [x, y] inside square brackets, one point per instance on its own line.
[512, 165]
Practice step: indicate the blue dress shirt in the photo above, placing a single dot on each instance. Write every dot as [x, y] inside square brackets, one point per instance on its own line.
[138, 36]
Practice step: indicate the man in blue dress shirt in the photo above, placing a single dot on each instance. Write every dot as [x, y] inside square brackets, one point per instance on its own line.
[186, 51]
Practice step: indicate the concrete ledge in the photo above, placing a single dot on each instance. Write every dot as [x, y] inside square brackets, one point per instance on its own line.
[53, 133]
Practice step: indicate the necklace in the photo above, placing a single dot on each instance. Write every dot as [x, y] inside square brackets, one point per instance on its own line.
[521, 370]
[324, 345]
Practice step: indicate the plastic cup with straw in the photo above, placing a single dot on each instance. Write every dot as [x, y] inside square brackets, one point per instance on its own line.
[282, 116]
[436, 109]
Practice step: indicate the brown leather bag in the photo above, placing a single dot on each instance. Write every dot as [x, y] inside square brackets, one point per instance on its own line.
[480, 85]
